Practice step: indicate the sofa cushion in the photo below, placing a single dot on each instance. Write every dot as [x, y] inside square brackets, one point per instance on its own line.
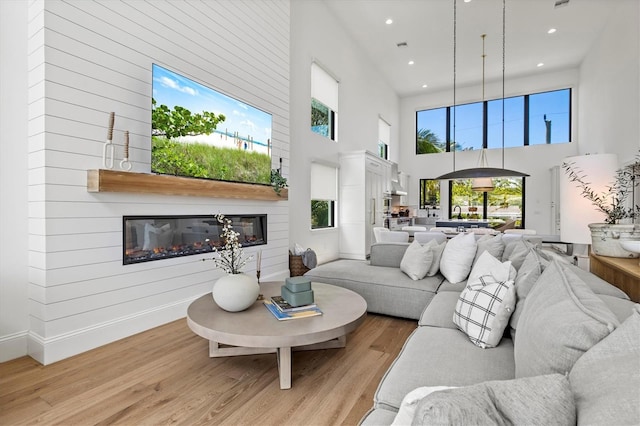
[606, 379]
[457, 257]
[387, 254]
[424, 237]
[436, 248]
[561, 319]
[377, 417]
[387, 290]
[621, 308]
[486, 304]
[491, 243]
[439, 313]
[427, 360]
[540, 400]
[416, 261]
[597, 284]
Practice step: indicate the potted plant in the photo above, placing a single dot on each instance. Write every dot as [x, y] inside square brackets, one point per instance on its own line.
[614, 203]
[234, 291]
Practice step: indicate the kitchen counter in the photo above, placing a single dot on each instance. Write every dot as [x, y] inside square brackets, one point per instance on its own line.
[466, 223]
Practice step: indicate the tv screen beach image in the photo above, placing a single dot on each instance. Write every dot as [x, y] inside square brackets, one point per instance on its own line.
[200, 132]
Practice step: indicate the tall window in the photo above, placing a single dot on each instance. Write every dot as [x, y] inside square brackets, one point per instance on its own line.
[538, 118]
[324, 103]
[324, 193]
[384, 136]
[503, 207]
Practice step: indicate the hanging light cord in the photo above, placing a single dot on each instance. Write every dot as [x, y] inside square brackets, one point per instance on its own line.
[453, 147]
[504, 7]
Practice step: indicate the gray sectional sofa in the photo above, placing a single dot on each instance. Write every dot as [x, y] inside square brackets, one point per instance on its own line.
[570, 353]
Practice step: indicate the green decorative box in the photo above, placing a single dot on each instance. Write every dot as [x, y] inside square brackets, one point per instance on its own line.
[296, 299]
[298, 284]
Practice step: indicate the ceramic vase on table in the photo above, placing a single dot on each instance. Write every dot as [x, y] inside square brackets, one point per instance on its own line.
[235, 292]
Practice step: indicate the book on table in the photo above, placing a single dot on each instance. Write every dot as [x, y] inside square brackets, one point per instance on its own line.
[283, 316]
[284, 306]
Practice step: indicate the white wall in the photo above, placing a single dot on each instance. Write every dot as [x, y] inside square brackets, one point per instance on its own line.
[87, 58]
[610, 87]
[14, 319]
[363, 97]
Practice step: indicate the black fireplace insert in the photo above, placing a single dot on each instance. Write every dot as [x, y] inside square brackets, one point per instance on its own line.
[147, 238]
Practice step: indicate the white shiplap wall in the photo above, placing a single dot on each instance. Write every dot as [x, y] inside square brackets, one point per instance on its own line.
[87, 58]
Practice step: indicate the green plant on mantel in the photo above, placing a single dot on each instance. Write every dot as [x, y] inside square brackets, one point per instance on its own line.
[278, 181]
[611, 202]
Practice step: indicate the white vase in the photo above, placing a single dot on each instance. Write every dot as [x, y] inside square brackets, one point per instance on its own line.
[605, 239]
[235, 292]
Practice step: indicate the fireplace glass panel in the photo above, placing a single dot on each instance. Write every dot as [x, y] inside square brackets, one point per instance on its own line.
[147, 238]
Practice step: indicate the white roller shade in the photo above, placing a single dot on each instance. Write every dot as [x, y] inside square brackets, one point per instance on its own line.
[576, 212]
[324, 87]
[324, 182]
[384, 131]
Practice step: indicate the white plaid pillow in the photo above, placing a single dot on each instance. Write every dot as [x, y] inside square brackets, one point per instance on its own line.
[486, 304]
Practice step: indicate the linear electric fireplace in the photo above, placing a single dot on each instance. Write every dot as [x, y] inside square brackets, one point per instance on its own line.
[147, 238]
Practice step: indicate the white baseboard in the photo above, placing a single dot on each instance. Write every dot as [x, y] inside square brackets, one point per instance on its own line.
[13, 346]
[47, 351]
[50, 350]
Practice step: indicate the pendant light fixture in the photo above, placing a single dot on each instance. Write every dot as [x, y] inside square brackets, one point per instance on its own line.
[484, 184]
[478, 172]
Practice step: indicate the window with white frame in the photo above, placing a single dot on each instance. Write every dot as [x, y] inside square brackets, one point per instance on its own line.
[324, 103]
[384, 136]
[324, 193]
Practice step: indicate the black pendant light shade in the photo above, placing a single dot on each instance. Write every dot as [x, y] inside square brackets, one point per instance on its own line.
[481, 172]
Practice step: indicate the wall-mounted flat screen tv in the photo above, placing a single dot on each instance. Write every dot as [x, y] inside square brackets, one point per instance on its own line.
[202, 133]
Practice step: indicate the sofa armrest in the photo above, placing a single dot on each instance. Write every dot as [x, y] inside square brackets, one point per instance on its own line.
[387, 254]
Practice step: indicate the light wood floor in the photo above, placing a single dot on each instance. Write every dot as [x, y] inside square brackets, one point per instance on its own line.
[164, 376]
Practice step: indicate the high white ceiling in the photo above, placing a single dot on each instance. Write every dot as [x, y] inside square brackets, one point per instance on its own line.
[427, 28]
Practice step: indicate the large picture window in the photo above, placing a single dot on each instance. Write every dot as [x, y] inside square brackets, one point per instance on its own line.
[503, 207]
[534, 119]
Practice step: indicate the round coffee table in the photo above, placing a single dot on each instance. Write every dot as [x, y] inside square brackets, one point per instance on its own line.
[257, 331]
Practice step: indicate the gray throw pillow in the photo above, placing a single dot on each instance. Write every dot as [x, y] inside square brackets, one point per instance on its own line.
[562, 318]
[540, 400]
[516, 251]
[606, 380]
[436, 249]
[416, 261]
[491, 243]
[528, 275]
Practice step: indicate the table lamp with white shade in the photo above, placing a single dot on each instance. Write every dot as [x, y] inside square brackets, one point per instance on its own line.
[576, 212]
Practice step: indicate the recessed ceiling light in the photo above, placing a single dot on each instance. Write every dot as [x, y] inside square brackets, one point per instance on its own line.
[424, 86]
[389, 21]
[467, 1]
[540, 64]
[551, 31]
[411, 62]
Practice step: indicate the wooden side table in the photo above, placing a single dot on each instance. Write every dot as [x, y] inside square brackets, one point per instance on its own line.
[623, 273]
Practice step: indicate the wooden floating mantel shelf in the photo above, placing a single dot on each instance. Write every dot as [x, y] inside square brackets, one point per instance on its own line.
[102, 180]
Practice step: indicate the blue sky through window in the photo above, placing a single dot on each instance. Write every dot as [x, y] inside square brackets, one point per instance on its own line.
[554, 105]
[172, 89]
